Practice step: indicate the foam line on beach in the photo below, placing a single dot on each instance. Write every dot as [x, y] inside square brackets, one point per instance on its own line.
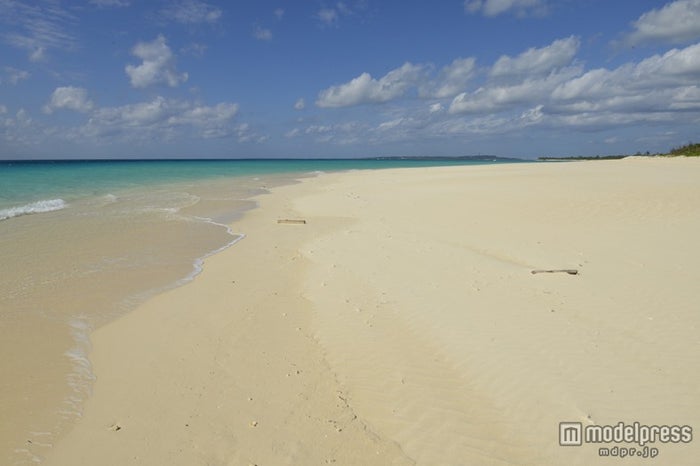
[198, 263]
[38, 207]
[81, 378]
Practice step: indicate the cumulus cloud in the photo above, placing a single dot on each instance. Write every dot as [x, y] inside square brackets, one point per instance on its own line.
[69, 98]
[157, 66]
[677, 67]
[498, 7]
[279, 13]
[537, 61]
[192, 12]
[299, 104]
[655, 89]
[676, 22]
[497, 97]
[522, 73]
[365, 89]
[540, 88]
[525, 79]
[656, 84]
[452, 79]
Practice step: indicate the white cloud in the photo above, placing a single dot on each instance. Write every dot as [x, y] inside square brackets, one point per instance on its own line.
[205, 116]
[522, 72]
[532, 116]
[331, 15]
[162, 118]
[452, 79]
[392, 124]
[69, 98]
[192, 12]
[279, 13]
[526, 79]
[660, 88]
[157, 66]
[495, 97]
[14, 75]
[22, 117]
[676, 22]
[365, 89]
[21, 130]
[497, 7]
[674, 70]
[537, 61]
[539, 89]
[262, 33]
[299, 104]
[3, 109]
[38, 54]
[436, 108]
[652, 90]
[293, 133]
[244, 133]
[318, 129]
[140, 115]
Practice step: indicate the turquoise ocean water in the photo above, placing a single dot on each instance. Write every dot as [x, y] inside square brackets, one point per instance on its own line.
[83, 242]
[36, 181]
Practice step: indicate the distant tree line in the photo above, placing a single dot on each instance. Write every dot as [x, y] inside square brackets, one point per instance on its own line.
[688, 150]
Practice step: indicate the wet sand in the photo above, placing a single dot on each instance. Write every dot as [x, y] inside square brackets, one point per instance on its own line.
[68, 272]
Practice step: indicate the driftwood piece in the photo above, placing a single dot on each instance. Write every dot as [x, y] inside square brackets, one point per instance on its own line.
[292, 221]
[569, 271]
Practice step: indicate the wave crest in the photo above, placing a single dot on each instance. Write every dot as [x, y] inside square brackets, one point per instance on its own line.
[38, 207]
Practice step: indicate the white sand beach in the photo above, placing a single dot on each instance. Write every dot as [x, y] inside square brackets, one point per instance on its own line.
[402, 324]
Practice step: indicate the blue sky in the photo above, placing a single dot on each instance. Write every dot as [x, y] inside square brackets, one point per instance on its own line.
[296, 78]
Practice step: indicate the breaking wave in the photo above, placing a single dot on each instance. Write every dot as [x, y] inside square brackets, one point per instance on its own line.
[34, 208]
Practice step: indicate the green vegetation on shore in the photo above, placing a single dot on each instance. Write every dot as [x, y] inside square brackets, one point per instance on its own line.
[688, 150]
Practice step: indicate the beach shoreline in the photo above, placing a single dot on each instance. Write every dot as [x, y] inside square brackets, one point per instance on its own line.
[401, 324]
[77, 268]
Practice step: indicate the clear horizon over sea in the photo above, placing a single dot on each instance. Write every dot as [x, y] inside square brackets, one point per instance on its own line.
[84, 242]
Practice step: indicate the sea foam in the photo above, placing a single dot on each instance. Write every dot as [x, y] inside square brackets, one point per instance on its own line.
[38, 207]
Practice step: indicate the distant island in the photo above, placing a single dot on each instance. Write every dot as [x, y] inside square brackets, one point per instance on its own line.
[688, 150]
